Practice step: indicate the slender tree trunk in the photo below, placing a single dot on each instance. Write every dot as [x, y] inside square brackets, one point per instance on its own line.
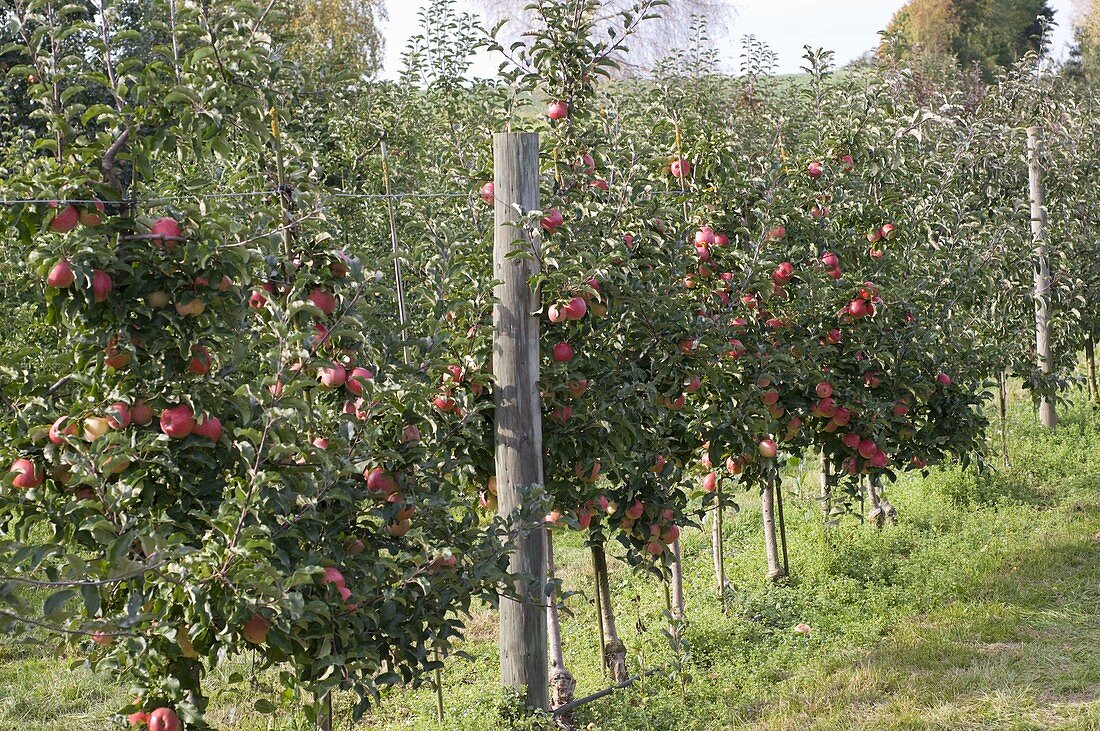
[717, 547]
[877, 516]
[1002, 402]
[1048, 415]
[599, 611]
[324, 713]
[1090, 361]
[613, 648]
[562, 684]
[888, 510]
[777, 484]
[826, 487]
[677, 582]
[771, 546]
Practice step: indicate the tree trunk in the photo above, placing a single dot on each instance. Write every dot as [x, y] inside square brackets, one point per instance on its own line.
[1002, 403]
[614, 650]
[1048, 415]
[677, 582]
[1090, 362]
[826, 487]
[771, 546]
[562, 684]
[889, 512]
[877, 516]
[777, 484]
[716, 547]
[324, 713]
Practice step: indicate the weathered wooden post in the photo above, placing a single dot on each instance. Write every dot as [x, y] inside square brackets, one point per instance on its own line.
[523, 650]
[1048, 416]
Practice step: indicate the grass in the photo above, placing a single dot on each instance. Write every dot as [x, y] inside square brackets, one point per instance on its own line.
[980, 610]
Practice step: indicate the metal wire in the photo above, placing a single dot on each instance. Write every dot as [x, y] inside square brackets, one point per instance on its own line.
[210, 196]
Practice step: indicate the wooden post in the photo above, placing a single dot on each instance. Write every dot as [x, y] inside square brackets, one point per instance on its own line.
[826, 487]
[1002, 403]
[716, 548]
[1048, 416]
[777, 483]
[677, 581]
[523, 650]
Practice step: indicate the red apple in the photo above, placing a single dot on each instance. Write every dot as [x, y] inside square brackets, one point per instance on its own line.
[61, 276]
[823, 390]
[552, 220]
[847, 163]
[557, 110]
[867, 448]
[166, 228]
[255, 629]
[119, 415]
[101, 285]
[768, 448]
[357, 379]
[164, 719]
[141, 413]
[562, 353]
[200, 362]
[138, 719]
[57, 434]
[66, 220]
[859, 308]
[704, 236]
[575, 308]
[679, 168]
[783, 273]
[410, 435]
[325, 301]
[693, 384]
[333, 576]
[777, 233]
[830, 260]
[177, 421]
[378, 480]
[257, 300]
[27, 475]
[814, 170]
[770, 397]
[889, 231]
[851, 440]
[211, 428]
[635, 510]
[488, 193]
[710, 481]
[332, 376]
[943, 379]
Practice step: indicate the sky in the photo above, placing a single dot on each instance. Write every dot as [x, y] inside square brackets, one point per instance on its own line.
[847, 27]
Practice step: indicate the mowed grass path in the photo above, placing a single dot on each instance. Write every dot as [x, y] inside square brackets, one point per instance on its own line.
[980, 610]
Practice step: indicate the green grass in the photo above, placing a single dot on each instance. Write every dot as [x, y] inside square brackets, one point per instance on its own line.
[980, 610]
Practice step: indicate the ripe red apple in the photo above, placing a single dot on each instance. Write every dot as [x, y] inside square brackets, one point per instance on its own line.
[889, 231]
[768, 448]
[814, 170]
[867, 449]
[562, 353]
[575, 308]
[552, 220]
[874, 235]
[102, 638]
[177, 421]
[200, 362]
[164, 719]
[636, 510]
[601, 184]
[332, 575]
[851, 440]
[101, 285]
[410, 435]
[830, 260]
[325, 301]
[357, 379]
[488, 193]
[378, 480]
[210, 427]
[659, 463]
[847, 163]
[777, 233]
[834, 336]
[257, 300]
[859, 308]
[585, 474]
[783, 273]
[141, 413]
[879, 460]
[255, 629]
[679, 168]
[561, 414]
[693, 384]
[557, 110]
[138, 718]
[943, 379]
[875, 253]
[61, 276]
[444, 402]
[332, 376]
[166, 228]
[770, 397]
[823, 390]
[704, 236]
[119, 415]
[710, 481]
[27, 475]
[842, 416]
[66, 220]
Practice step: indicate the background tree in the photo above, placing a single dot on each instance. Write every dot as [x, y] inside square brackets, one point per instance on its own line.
[336, 36]
[992, 34]
[651, 42]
